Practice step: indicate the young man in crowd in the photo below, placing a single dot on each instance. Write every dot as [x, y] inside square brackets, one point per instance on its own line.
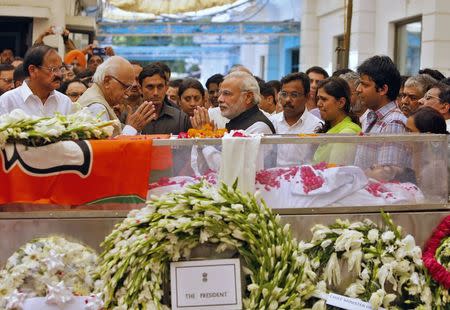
[294, 119]
[168, 119]
[267, 103]
[212, 85]
[113, 81]
[6, 78]
[315, 75]
[19, 76]
[7, 56]
[378, 88]
[38, 96]
[276, 85]
[172, 91]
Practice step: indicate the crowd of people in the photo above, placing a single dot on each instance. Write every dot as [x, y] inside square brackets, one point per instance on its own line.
[374, 99]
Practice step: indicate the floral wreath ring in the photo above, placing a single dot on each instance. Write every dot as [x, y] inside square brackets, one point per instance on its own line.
[438, 242]
[137, 253]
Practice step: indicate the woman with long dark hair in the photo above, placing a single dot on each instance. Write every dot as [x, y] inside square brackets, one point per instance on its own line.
[333, 101]
[427, 120]
[192, 95]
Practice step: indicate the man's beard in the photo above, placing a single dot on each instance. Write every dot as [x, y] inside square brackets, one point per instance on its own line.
[358, 107]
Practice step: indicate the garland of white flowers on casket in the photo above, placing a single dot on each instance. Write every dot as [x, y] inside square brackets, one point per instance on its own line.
[385, 268]
[51, 267]
[19, 127]
[137, 253]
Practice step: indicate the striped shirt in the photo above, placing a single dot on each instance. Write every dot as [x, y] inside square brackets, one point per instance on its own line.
[389, 120]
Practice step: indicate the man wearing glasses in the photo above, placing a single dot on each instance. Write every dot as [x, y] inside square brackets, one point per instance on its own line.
[438, 98]
[295, 119]
[37, 95]
[6, 78]
[114, 81]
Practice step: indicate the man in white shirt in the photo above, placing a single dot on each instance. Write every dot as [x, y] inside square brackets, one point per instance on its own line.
[114, 80]
[315, 75]
[295, 119]
[37, 95]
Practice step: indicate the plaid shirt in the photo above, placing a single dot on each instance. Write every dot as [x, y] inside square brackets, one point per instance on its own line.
[390, 120]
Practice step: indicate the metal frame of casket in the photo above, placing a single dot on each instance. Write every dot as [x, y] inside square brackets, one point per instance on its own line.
[90, 224]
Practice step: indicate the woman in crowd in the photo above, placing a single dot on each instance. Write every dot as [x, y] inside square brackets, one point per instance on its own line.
[192, 95]
[426, 120]
[333, 101]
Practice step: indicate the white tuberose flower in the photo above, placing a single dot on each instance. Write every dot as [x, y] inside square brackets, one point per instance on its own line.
[373, 235]
[348, 239]
[332, 270]
[387, 236]
[376, 299]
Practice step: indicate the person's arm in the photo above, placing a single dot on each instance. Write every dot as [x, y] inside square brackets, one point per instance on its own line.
[68, 43]
[40, 38]
[259, 127]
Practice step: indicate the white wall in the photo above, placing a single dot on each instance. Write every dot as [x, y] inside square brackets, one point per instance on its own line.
[373, 31]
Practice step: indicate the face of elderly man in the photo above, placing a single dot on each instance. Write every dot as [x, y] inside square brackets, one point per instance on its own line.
[232, 100]
[120, 83]
[410, 99]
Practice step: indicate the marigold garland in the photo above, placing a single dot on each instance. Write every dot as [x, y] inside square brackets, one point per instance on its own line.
[207, 131]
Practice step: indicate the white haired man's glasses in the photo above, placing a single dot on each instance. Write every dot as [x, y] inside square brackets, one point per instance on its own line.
[127, 87]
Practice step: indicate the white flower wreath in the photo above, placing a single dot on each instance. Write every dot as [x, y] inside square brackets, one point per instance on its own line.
[137, 253]
[17, 126]
[387, 268]
[44, 264]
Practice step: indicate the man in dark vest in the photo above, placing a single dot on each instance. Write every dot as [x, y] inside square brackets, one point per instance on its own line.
[238, 101]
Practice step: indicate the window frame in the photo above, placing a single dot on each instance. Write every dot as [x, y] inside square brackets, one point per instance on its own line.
[397, 25]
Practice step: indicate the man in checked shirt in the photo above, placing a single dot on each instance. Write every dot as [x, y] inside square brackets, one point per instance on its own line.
[378, 88]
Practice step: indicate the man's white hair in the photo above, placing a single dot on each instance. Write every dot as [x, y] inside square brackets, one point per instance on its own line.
[111, 66]
[248, 83]
[421, 81]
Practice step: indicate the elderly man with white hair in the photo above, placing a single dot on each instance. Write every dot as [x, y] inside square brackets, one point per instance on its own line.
[238, 101]
[114, 80]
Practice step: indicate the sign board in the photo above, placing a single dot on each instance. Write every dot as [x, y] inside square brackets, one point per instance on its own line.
[206, 284]
[348, 303]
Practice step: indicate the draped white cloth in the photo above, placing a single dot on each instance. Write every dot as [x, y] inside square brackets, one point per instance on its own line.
[158, 7]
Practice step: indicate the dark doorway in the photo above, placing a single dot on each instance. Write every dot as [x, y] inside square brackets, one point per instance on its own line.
[16, 34]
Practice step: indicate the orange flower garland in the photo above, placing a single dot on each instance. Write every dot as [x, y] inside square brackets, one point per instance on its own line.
[207, 131]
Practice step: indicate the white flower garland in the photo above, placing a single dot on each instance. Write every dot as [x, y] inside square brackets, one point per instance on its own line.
[45, 264]
[387, 269]
[18, 126]
[137, 253]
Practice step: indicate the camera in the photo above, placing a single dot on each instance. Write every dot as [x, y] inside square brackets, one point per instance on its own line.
[98, 51]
